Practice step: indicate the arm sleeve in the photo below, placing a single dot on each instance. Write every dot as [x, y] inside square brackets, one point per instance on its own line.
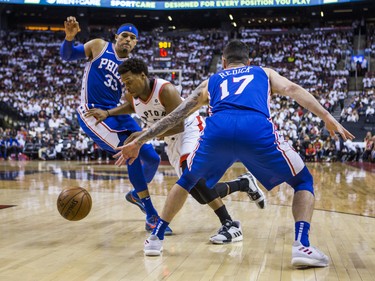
[70, 52]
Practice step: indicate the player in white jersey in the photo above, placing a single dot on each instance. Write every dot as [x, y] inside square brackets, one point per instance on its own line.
[153, 99]
[179, 144]
[240, 129]
[102, 88]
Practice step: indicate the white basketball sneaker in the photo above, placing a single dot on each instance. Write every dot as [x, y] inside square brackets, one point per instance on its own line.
[253, 190]
[230, 232]
[308, 256]
[153, 246]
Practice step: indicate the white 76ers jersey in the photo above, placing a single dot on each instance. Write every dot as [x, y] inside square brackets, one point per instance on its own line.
[178, 145]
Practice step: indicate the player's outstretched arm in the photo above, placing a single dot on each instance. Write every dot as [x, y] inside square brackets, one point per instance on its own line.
[283, 86]
[68, 51]
[130, 151]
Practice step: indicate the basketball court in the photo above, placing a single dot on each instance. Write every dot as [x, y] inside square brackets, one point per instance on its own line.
[38, 244]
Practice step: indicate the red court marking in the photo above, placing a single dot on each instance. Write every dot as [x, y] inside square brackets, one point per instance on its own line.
[367, 166]
[6, 206]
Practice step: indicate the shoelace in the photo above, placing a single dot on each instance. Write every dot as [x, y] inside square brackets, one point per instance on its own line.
[254, 195]
[223, 229]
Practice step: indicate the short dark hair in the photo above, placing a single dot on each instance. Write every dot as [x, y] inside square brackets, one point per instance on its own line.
[236, 51]
[136, 66]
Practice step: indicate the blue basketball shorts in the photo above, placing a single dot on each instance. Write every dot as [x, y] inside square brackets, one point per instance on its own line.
[245, 136]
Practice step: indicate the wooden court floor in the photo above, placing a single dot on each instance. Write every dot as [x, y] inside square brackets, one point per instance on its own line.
[37, 244]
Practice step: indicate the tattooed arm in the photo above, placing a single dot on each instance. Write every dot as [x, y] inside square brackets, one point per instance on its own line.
[130, 151]
[187, 107]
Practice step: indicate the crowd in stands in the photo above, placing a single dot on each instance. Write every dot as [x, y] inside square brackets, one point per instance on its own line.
[47, 93]
[370, 40]
[359, 106]
[310, 58]
[48, 145]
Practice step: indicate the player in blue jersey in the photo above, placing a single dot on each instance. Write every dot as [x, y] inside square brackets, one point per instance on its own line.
[152, 99]
[240, 128]
[102, 88]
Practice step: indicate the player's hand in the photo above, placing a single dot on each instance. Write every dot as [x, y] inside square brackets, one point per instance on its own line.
[99, 114]
[132, 137]
[71, 28]
[333, 126]
[129, 152]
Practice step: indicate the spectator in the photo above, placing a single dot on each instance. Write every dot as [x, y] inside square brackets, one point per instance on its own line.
[331, 153]
[59, 147]
[353, 152]
[299, 149]
[53, 122]
[353, 116]
[370, 111]
[41, 143]
[364, 66]
[13, 147]
[310, 154]
[318, 145]
[340, 150]
[33, 124]
[50, 152]
[344, 115]
[327, 145]
[369, 147]
[81, 148]
[341, 97]
[373, 150]
[3, 150]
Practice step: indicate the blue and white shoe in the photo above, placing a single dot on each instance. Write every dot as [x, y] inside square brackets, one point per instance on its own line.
[230, 232]
[136, 201]
[253, 190]
[151, 224]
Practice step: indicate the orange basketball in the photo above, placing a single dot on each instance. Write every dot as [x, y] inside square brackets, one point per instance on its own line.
[74, 203]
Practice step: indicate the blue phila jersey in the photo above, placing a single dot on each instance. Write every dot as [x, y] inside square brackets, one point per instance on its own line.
[102, 86]
[245, 88]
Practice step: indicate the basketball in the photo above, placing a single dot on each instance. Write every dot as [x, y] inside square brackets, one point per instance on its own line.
[74, 203]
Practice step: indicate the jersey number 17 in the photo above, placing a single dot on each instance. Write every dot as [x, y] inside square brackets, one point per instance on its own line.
[244, 80]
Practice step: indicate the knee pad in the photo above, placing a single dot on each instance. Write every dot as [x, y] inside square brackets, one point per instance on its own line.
[302, 181]
[195, 194]
[205, 192]
[187, 181]
[199, 191]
